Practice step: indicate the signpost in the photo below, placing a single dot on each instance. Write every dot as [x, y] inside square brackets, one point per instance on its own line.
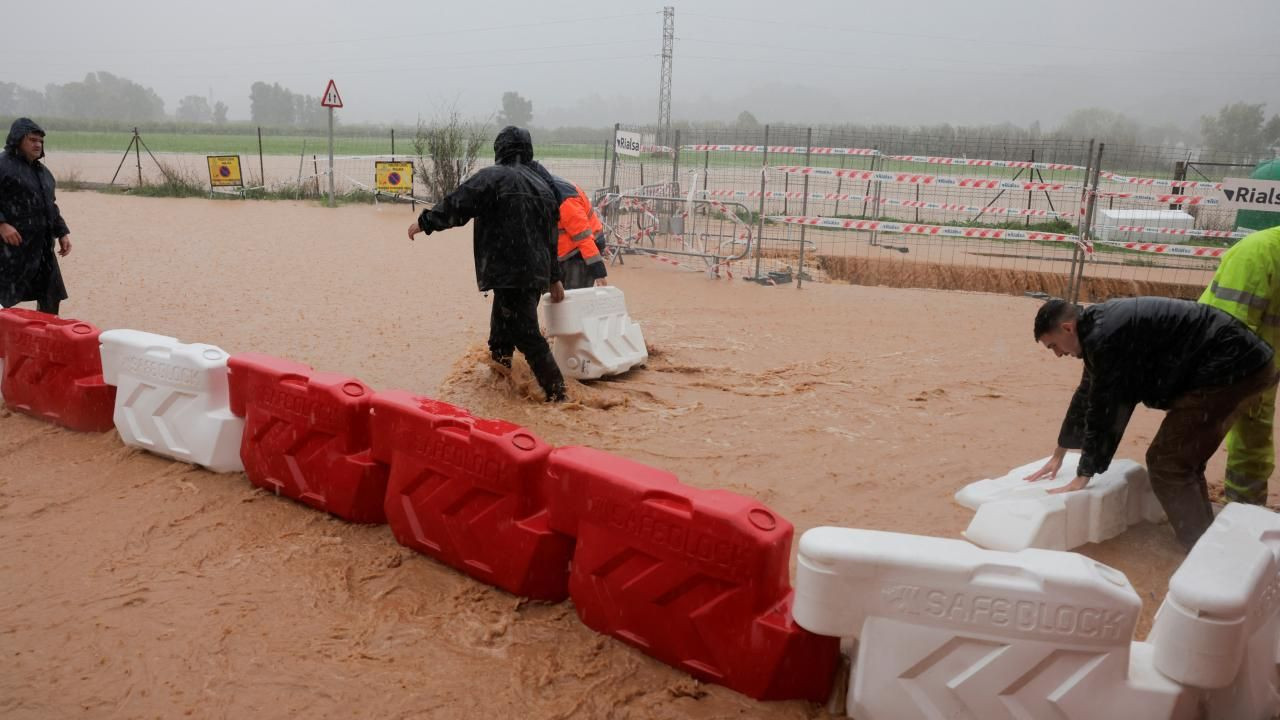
[331, 99]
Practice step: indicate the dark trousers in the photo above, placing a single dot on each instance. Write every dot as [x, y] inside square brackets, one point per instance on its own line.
[575, 273]
[1191, 431]
[513, 325]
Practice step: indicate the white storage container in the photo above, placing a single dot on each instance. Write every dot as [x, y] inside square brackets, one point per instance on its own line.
[171, 398]
[1120, 225]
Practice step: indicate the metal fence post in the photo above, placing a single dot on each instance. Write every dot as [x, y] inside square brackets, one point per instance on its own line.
[1087, 222]
[675, 163]
[1077, 254]
[764, 167]
[261, 169]
[613, 168]
[804, 205]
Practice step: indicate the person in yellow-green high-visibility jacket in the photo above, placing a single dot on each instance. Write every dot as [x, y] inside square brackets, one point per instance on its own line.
[1247, 285]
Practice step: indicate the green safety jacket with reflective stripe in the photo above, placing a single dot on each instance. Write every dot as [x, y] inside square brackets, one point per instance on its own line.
[1247, 283]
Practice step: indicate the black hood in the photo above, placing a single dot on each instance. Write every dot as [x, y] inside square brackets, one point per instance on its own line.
[21, 128]
[512, 145]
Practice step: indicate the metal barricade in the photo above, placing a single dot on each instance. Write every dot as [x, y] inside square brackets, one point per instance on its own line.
[701, 234]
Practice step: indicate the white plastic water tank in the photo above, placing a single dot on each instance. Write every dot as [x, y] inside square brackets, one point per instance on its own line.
[948, 630]
[171, 398]
[1013, 514]
[1118, 225]
[1219, 626]
[592, 334]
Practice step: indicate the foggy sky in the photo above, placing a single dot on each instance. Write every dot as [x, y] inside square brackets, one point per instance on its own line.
[596, 63]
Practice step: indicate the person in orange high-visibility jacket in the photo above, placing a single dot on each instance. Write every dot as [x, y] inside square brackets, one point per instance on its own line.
[581, 240]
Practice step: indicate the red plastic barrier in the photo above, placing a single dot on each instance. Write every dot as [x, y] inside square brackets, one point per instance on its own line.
[470, 493]
[53, 370]
[306, 435]
[695, 578]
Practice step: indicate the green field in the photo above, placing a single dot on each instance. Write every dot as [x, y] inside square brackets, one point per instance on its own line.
[223, 144]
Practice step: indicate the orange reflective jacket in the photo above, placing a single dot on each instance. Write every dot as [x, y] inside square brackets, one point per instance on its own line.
[579, 226]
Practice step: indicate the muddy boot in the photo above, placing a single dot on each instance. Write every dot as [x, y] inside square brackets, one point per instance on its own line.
[548, 374]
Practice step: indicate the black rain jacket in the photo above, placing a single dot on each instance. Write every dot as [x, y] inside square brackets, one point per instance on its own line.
[28, 271]
[516, 216]
[1149, 350]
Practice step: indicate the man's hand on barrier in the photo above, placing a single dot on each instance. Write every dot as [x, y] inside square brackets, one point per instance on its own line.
[602, 282]
[10, 234]
[1050, 469]
[1078, 483]
[557, 291]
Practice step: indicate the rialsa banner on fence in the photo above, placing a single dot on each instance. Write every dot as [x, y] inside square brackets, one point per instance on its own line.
[921, 179]
[920, 204]
[978, 162]
[919, 229]
[1169, 199]
[1184, 232]
[1167, 248]
[1158, 182]
[782, 149]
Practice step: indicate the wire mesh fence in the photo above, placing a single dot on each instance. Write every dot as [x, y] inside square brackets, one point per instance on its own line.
[939, 208]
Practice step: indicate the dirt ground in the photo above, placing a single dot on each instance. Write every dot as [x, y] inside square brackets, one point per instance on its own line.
[134, 586]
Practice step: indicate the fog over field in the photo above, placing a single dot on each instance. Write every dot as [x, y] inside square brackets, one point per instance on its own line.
[593, 63]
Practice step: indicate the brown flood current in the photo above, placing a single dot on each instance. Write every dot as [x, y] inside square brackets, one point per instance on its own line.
[133, 586]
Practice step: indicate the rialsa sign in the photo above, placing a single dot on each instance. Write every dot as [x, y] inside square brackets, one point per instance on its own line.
[627, 143]
[1250, 194]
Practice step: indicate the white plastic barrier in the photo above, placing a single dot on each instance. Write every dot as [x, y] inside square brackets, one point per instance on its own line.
[1013, 514]
[948, 630]
[1219, 626]
[171, 398]
[592, 334]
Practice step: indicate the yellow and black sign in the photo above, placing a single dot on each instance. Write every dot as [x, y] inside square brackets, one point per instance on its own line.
[393, 177]
[224, 171]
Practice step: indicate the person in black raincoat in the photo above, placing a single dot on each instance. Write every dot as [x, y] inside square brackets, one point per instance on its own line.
[1196, 362]
[514, 244]
[29, 223]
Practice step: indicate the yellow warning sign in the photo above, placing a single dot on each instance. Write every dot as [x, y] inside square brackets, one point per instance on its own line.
[393, 177]
[224, 171]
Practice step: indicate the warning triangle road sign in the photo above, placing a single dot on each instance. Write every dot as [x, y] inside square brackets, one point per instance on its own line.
[331, 97]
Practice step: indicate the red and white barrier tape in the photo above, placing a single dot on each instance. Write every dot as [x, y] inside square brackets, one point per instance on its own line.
[1157, 182]
[918, 179]
[782, 149]
[1188, 232]
[976, 162]
[1164, 199]
[1166, 249]
[922, 204]
[918, 229]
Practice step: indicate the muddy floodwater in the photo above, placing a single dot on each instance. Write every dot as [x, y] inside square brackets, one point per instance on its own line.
[132, 586]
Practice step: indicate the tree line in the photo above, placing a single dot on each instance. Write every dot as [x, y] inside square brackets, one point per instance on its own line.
[104, 96]
[1238, 127]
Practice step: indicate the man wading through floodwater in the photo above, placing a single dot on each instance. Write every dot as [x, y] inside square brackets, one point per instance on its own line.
[514, 243]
